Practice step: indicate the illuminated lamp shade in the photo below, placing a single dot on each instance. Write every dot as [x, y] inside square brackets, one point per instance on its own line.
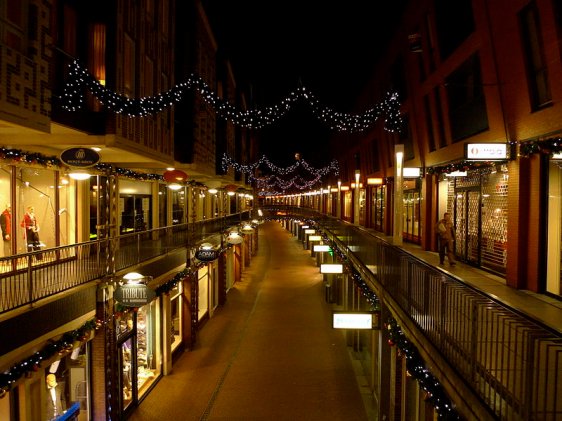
[231, 188]
[206, 246]
[234, 238]
[175, 176]
[247, 228]
[213, 191]
[174, 186]
[79, 175]
[133, 278]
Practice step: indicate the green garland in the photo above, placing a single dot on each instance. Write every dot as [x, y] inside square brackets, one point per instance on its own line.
[547, 146]
[416, 367]
[32, 364]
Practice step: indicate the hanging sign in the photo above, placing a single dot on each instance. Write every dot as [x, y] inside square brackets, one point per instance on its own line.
[206, 255]
[356, 320]
[486, 151]
[80, 157]
[134, 295]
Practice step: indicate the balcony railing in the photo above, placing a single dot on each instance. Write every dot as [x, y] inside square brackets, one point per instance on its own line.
[27, 278]
[511, 361]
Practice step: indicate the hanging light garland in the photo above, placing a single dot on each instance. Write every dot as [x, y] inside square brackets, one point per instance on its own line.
[227, 162]
[80, 79]
[416, 367]
[461, 166]
[548, 146]
[61, 347]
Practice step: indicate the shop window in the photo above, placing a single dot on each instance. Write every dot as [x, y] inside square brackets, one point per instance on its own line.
[148, 346]
[176, 316]
[98, 208]
[162, 205]
[41, 221]
[178, 207]
[203, 301]
[67, 386]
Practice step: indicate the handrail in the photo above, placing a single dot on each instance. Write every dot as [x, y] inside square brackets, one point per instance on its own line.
[510, 360]
[28, 277]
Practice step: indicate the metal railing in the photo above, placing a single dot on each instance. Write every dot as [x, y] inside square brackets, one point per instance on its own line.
[511, 361]
[27, 278]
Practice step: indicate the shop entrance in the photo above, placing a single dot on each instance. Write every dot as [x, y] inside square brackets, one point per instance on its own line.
[468, 223]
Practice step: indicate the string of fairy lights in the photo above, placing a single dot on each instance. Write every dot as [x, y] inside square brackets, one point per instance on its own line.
[275, 181]
[79, 80]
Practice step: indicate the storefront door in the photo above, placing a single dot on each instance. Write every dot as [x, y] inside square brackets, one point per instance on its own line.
[467, 224]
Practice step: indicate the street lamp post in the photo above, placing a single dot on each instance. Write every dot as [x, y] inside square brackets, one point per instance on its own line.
[398, 193]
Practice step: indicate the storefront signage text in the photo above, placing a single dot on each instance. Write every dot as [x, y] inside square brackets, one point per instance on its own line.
[486, 151]
[206, 255]
[135, 295]
[356, 320]
[80, 157]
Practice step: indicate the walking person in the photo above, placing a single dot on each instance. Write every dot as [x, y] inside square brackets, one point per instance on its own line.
[446, 232]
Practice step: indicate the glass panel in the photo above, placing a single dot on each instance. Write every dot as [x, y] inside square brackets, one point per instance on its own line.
[126, 372]
[148, 346]
[203, 276]
[176, 313]
[6, 221]
[35, 211]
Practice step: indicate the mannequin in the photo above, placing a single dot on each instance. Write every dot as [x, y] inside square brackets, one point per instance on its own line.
[55, 399]
[29, 222]
[6, 226]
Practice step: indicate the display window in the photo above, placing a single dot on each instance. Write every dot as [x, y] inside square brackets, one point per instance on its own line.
[148, 346]
[139, 351]
[135, 206]
[203, 281]
[176, 315]
[67, 387]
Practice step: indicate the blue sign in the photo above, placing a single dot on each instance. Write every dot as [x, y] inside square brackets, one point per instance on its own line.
[80, 157]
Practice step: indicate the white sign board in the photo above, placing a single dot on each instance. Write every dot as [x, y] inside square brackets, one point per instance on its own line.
[352, 320]
[321, 247]
[486, 151]
[331, 268]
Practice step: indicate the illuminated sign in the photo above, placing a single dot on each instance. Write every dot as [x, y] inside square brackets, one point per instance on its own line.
[206, 255]
[486, 151]
[315, 238]
[321, 247]
[331, 268]
[356, 320]
[310, 231]
[411, 172]
[374, 181]
[134, 295]
[80, 157]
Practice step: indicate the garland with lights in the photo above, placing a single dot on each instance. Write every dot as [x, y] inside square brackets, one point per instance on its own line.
[547, 146]
[80, 79]
[461, 166]
[273, 181]
[416, 367]
[61, 347]
[35, 158]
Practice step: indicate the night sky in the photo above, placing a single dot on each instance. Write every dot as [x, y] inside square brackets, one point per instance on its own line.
[276, 46]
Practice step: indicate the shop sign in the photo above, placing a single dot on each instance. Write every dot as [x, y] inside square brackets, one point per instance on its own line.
[134, 295]
[331, 268]
[80, 157]
[486, 151]
[206, 255]
[356, 320]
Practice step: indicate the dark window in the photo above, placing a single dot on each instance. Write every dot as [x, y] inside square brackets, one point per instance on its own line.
[429, 123]
[439, 118]
[537, 74]
[467, 104]
[406, 139]
[455, 22]
[399, 79]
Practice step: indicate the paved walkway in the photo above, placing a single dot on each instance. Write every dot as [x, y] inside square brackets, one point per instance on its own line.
[269, 353]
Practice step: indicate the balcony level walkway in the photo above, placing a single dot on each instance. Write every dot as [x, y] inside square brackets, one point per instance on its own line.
[269, 353]
[540, 307]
